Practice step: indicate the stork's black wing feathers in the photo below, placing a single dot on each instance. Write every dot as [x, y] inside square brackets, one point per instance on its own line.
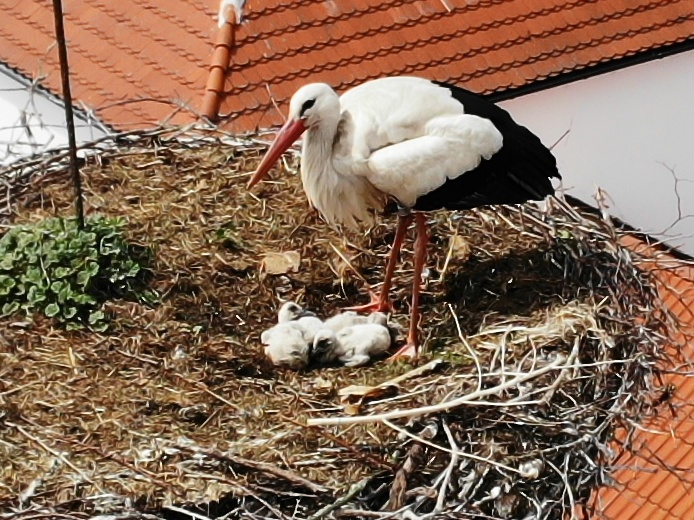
[519, 172]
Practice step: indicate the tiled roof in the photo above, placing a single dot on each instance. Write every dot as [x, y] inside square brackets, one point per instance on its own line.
[131, 60]
[138, 61]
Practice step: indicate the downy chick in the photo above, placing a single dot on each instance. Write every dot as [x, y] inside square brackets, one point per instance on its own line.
[353, 345]
[292, 312]
[286, 345]
[349, 318]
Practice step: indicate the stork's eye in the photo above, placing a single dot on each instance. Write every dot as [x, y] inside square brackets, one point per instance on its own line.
[322, 344]
[307, 104]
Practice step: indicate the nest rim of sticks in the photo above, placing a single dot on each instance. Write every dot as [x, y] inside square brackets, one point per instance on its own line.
[542, 335]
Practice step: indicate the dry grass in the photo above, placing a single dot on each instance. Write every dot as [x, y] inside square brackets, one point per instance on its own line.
[547, 329]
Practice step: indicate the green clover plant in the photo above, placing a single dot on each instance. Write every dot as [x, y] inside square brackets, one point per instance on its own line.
[52, 267]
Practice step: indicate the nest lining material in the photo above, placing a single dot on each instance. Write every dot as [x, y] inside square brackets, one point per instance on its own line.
[541, 336]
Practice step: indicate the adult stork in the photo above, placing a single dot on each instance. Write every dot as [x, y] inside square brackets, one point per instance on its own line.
[427, 145]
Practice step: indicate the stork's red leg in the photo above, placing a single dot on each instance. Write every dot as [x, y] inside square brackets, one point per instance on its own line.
[420, 254]
[382, 303]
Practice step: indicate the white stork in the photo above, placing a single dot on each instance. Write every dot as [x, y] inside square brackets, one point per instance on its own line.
[427, 145]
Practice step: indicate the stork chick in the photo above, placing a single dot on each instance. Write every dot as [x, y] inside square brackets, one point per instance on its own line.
[353, 345]
[286, 345]
[309, 322]
[349, 318]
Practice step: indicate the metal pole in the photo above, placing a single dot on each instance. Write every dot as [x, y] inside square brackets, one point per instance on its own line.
[65, 77]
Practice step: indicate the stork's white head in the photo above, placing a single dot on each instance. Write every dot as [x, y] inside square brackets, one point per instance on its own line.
[324, 346]
[291, 311]
[313, 106]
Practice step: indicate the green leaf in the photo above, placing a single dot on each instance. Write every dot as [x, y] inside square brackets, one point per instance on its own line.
[92, 268]
[96, 317]
[64, 294]
[51, 310]
[82, 299]
[150, 297]
[6, 285]
[62, 272]
[52, 265]
[83, 278]
[10, 308]
[69, 313]
[36, 295]
[58, 286]
[34, 275]
[7, 263]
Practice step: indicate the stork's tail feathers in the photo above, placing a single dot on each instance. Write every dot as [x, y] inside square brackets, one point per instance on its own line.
[520, 171]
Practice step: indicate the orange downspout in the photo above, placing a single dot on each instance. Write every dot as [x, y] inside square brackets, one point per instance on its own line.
[221, 58]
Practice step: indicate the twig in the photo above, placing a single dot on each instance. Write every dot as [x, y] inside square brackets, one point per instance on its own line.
[182, 511]
[440, 500]
[399, 487]
[439, 407]
[265, 467]
[204, 388]
[562, 374]
[347, 262]
[567, 489]
[147, 474]
[467, 346]
[472, 456]
[69, 118]
[274, 103]
[415, 372]
[340, 442]
[353, 491]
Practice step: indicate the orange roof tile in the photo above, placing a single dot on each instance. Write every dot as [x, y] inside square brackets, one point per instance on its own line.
[137, 61]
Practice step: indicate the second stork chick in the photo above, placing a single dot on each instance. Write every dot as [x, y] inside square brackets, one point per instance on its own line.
[353, 345]
[292, 312]
[349, 318]
[286, 344]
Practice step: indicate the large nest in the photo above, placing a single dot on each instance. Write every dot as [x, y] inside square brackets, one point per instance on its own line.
[541, 335]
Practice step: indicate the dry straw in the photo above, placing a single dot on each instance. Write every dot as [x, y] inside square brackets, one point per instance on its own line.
[547, 329]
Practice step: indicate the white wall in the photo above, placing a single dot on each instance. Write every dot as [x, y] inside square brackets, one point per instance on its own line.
[32, 121]
[627, 129]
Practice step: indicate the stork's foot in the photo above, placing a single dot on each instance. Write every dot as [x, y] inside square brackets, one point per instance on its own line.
[377, 304]
[407, 351]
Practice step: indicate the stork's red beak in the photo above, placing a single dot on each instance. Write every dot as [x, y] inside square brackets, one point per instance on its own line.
[289, 133]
